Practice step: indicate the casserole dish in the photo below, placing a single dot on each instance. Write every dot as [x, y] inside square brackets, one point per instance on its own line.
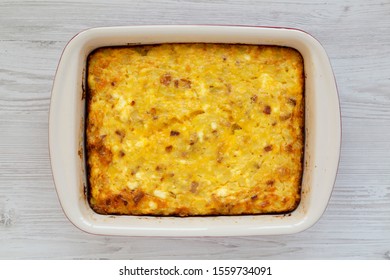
[67, 121]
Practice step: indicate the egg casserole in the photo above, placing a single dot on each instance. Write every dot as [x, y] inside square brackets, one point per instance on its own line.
[194, 129]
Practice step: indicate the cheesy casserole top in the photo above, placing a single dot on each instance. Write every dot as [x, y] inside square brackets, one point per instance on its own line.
[194, 129]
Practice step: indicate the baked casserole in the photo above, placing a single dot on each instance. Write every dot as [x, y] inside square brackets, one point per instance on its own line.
[194, 129]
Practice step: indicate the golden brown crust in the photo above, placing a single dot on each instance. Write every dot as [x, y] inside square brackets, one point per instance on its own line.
[195, 129]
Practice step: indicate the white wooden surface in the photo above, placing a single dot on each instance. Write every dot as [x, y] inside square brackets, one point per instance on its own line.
[356, 35]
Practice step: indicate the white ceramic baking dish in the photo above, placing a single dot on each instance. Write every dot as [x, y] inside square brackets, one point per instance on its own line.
[66, 133]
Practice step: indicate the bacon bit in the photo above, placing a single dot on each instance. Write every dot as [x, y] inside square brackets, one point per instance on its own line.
[270, 182]
[105, 154]
[158, 168]
[138, 196]
[292, 101]
[285, 117]
[119, 198]
[267, 110]
[236, 127]
[121, 134]
[135, 170]
[185, 83]
[153, 112]
[196, 113]
[169, 148]
[122, 154]
[113, 84]
[268, 148]
[283, 171]
[166, 79]
[182, 83]
[194, 186]
[264, 204]
[174, 133]
[289, 148]
[132, 103]
[254, 98]
[254, 197]
[166, 175]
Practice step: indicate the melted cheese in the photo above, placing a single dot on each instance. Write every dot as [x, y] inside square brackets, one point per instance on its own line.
[195, 129]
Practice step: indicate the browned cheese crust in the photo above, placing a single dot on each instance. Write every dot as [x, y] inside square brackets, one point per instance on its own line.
[195, 129]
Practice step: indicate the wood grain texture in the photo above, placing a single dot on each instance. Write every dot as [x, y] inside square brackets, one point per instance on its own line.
[356, 35]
